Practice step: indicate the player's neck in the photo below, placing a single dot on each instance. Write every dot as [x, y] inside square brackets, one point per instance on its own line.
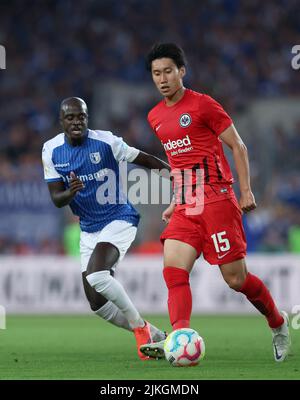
[177, 96]
[76, 142]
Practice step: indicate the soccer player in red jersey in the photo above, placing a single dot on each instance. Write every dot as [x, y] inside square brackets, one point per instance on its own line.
[192, 127]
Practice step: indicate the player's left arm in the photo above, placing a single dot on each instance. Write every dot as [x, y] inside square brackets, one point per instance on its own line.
[240, 155]
[123, 152]
[151, 162]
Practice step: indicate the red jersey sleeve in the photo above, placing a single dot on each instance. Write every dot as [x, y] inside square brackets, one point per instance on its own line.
[214, 115]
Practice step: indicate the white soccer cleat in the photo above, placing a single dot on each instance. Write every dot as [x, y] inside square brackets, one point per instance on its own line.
[281, 339]
[154, 350]
[157, 334]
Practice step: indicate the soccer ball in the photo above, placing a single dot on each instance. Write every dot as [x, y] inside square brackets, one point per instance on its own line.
[184, 348]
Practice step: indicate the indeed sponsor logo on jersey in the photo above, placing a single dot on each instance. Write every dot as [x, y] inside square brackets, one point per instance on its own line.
[178, 144]
[98, 176]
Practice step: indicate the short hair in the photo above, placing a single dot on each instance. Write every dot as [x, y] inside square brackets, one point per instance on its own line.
[76, 100]
[166, 50]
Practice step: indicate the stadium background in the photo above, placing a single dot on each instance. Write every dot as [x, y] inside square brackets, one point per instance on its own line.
[239, 52]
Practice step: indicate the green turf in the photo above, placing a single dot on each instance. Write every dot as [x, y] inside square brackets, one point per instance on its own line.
[85, 347]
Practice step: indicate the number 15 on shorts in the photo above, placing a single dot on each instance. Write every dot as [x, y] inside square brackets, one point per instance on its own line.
[221, 243]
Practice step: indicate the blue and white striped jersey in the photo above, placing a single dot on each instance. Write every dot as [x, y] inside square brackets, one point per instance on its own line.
[96, 163]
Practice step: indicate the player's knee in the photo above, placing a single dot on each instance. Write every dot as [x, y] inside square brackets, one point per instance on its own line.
[235, 282]
[103, 258]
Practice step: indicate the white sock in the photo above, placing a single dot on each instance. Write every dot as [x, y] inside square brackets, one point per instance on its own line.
[112, 290]
[112, 314]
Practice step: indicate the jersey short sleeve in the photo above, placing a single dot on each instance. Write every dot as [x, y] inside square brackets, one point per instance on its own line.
[121, 150]
[50, 173]
[215, 117]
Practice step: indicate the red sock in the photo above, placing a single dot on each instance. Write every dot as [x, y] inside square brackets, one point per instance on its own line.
[179, 297]
[258, 294]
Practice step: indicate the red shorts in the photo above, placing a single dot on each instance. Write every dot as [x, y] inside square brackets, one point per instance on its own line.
[217, 232]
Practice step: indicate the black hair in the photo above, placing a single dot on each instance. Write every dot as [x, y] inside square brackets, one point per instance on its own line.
[166, 50]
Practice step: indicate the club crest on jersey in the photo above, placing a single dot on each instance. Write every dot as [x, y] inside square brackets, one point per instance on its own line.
[185, 120]
[95, 157]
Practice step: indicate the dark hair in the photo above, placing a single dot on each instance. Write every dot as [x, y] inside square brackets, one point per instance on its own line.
[168, 50]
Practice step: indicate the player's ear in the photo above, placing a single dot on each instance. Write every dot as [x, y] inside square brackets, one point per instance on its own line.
[182, 72]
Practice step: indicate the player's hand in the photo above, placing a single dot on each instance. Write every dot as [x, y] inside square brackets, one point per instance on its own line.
[75, 184]
[166, 215]
[247, 201]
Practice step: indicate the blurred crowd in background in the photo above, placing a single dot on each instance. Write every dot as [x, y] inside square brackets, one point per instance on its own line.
[238, 52]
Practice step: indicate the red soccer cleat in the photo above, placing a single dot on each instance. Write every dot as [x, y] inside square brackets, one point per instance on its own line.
[142, 336]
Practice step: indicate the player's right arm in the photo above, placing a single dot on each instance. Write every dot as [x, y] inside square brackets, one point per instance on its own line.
[60, 195]
[167, 213]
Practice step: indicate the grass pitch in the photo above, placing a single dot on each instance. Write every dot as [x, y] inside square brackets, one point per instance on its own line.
[85, 347]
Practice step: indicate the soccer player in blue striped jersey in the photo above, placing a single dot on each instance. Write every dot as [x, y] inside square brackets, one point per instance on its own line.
[76, 164]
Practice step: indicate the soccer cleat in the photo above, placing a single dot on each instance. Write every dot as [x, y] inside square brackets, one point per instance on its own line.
[154, 350]
[281, 339]
[156, 334]
[142, 337]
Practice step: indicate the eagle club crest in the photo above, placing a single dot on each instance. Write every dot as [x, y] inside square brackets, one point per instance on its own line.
[185, 120]
[95, 157]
